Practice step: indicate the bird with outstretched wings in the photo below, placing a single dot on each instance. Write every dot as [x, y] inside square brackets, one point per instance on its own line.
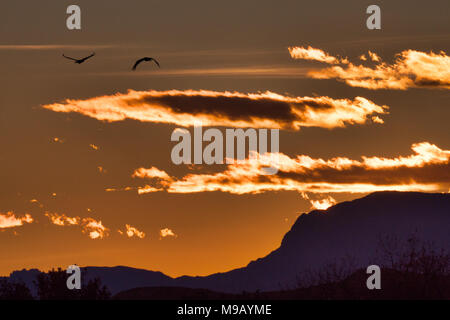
[145, 59]
[79, 61]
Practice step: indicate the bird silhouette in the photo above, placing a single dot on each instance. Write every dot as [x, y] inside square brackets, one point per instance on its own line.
[79, 61]
[145, 59]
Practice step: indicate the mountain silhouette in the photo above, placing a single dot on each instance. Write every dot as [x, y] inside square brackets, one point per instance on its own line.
[397, 285]
[349, 231]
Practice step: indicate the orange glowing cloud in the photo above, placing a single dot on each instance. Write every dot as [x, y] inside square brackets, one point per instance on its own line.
[314, 54]
[211, 108]
[323, 204]
[166, 232]
[427, 169]
[132, 232]
[148, 189]
[153, 172]
[410, 69]
[101, 169]
[10, 220]
[94, 228]
[36, 201]
[374, 57]
[320, 204]
[119, 189]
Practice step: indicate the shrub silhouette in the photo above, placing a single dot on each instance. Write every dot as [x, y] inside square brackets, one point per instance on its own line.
[410, 269]
[52, 286]
[14, 291]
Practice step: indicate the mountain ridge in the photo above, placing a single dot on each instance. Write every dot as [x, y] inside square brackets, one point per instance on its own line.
[348, 230]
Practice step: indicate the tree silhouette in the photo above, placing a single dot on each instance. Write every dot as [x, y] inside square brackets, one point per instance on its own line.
[14, 291]
[52, 286]
[410, 268]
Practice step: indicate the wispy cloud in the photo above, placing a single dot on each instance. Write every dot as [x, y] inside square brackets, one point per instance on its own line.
[152, 172]
[410, 69]
[166, 232]
[314, 54]
[10, 220]
[17, 47]
[231, 71]
[213, 108]
[427, 169]
[120, 189]
[62, 219]
[373, 56]
[101, 169]
[323, 204]
[320, 204]
[95, 229]
[36, 201]
[132, 232]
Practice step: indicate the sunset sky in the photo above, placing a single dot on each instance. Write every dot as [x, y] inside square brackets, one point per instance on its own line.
[85, 151]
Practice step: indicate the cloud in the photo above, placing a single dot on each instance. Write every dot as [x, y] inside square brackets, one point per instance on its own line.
[140, 190]
[410, 69]
[166, 232]
[36, 201]
[153, 172]
[323, 204]
[212, 108]
[62, 219]
[10, 220]
[94, 228]
[101, 169]
[132, 232]
[314, 54]
[256, 71]
[20, 47]
[377, 119]
[319, 204]
[119, 189]
[427, 169]
[374, 57]
[148, 189]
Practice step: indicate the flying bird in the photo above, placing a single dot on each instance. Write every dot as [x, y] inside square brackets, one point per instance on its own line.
[79, 61]
[145, 59]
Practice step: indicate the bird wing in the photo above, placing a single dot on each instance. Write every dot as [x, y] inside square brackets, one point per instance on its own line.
[93, 54]
[69, 57]
[157, 63]
[137, 63]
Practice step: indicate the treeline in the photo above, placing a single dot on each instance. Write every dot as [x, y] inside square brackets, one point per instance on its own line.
[52, 286]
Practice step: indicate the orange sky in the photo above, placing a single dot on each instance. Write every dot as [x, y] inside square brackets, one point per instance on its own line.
[358, 111]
